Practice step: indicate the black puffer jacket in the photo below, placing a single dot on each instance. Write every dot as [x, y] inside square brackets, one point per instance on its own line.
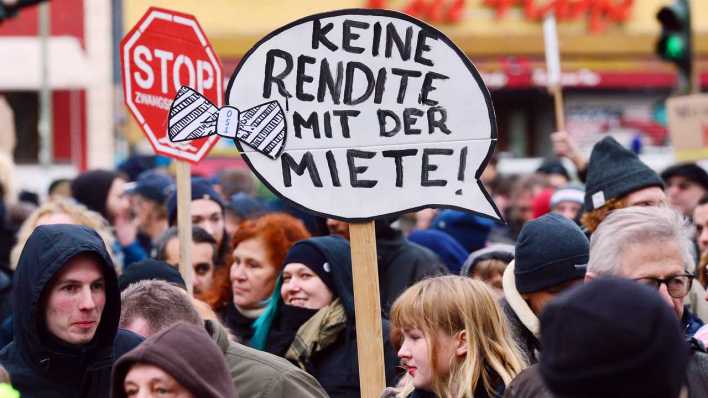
[39, 364]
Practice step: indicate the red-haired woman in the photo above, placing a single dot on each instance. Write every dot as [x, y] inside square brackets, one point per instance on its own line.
[258, 249]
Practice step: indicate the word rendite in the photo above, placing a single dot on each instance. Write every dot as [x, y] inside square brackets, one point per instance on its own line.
[338, 81]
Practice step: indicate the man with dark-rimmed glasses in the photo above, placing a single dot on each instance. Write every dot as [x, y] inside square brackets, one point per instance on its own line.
[652, 246]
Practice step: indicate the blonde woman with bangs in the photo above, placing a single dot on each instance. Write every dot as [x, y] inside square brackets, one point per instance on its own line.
[454, 341]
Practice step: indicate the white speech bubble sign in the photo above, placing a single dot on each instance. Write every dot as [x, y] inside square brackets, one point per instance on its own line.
[383, 113]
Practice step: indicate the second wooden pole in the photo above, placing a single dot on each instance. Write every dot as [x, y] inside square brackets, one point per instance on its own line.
[184, 222]
[367, 303]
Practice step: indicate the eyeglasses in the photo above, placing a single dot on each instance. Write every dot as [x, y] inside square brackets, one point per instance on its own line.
[677, 286]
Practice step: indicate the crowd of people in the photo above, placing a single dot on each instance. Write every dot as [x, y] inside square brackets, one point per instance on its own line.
[595, 286]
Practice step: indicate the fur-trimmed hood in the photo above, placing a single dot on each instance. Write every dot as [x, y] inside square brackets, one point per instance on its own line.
[517, 303]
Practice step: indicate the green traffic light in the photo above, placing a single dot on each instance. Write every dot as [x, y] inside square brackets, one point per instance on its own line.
[675, 47]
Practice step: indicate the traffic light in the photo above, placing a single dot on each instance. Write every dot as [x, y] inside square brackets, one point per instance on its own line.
[674, 44]
[9, 8]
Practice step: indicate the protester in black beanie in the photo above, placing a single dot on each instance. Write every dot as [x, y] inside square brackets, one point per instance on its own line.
[551, 257]
[550, 250]
[612, 338]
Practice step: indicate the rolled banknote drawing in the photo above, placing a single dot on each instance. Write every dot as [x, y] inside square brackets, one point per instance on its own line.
[193, 116]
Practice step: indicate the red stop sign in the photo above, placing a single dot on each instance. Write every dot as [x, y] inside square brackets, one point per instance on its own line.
[162, 52]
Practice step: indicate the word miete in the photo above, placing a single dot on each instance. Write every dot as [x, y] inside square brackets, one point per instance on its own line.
[356, 165]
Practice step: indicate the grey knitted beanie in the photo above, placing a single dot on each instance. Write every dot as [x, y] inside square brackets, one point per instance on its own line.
[614, 171]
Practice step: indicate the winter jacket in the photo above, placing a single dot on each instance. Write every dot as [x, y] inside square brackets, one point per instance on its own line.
[336, 366]
[258, 374]
[39, 364]
[528, 384]
[401, 264]
[188, 354]
[524, 324]
[697, 372]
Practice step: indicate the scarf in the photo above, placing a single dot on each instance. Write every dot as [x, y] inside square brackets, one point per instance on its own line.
[318, 333]
[285, 327]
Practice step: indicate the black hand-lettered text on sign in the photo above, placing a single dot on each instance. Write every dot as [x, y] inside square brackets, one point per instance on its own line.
[384, 114]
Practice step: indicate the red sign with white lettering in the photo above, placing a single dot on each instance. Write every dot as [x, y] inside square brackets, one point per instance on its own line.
[162, 52]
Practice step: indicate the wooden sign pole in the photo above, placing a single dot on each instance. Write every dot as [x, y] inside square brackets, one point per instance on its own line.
[184, 222]
[369, 338]
[557, 92]
[553, 68]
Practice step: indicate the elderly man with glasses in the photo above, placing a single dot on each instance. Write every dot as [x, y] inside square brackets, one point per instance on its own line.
[652, 246]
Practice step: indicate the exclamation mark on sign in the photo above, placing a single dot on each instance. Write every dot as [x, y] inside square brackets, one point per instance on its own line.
[461, 170]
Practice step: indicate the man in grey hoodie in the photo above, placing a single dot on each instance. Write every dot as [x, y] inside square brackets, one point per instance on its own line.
[551, 257]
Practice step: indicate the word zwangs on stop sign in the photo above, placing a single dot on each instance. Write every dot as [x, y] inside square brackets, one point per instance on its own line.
[383, 114]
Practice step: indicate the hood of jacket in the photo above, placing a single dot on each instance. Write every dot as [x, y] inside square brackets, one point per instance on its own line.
[336, 250]
[187, 353]
[46, 252]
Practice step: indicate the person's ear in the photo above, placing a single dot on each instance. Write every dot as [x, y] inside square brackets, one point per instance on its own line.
[461, 343]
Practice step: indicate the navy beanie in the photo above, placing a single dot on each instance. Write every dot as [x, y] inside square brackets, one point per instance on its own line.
[309, 255]
[470, 230]
[201, 189]
[445, 246]
[612, 338]
[148, 270]
[614, 171]
[245, 206]
[689, 171]
[152, 185]
[550, 250]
